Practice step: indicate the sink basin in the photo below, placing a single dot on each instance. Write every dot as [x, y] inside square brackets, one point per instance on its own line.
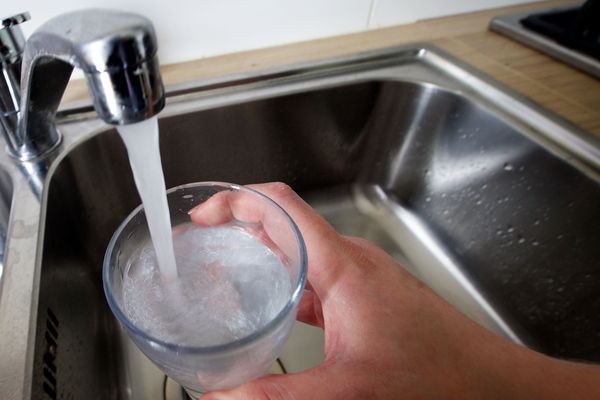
[488, 199]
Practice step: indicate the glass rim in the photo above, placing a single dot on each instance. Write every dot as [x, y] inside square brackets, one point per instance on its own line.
[291, 303]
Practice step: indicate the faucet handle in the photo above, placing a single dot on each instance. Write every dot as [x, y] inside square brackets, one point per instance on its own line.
[12, 43]
[16, 19]
[12, 40]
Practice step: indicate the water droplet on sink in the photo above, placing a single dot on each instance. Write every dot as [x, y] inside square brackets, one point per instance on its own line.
[428, 199]
[503, 200]
[508, 167]
[535, 243]
[521, 240]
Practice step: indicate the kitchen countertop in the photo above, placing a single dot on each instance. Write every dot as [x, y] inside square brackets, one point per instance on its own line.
[558, 87]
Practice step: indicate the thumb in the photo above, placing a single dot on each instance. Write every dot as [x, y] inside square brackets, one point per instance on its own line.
[311, 384]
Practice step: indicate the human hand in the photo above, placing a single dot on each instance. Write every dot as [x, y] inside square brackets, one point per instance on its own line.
[389, 336]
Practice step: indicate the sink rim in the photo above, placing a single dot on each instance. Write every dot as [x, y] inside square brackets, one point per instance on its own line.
[7, 189]
[545, 127]
[19, 299]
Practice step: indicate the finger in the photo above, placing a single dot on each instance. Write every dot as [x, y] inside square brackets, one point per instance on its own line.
[255, 210]
[214, 211]
[311, 384]
[322, 241]
[324, 245]
[310, 310]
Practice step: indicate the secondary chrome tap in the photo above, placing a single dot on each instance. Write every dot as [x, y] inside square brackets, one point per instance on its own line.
[116, 52]
[12, 43]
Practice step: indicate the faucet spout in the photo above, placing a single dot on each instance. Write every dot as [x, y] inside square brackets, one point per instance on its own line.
[117, 53]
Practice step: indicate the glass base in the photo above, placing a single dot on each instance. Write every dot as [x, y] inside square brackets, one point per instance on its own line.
[189, 394]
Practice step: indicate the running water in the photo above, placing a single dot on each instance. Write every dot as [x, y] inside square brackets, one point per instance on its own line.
[141, 140]
[230, 285]
[213, 285]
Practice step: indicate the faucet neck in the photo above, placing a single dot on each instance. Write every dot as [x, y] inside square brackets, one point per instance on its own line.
[117, 53]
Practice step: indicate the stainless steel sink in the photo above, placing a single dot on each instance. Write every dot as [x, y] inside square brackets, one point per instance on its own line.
[6, 197]
[488, 199]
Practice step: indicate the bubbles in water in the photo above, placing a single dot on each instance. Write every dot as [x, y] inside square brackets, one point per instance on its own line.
[230, 285]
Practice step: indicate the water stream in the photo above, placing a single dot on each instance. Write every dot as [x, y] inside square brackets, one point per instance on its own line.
[141, 140]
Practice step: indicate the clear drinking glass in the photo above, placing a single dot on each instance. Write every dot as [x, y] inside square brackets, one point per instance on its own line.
[202, 368]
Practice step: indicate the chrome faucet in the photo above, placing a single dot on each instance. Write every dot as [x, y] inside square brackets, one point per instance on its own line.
[12, 43]
[115, 50]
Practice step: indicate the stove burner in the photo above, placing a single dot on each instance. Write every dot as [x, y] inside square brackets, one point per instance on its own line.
[569, 34]
[576, 28]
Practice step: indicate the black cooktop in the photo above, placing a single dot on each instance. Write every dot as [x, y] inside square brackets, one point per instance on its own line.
[576, 28]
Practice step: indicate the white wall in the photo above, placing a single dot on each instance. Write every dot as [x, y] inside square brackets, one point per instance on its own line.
[191, 29]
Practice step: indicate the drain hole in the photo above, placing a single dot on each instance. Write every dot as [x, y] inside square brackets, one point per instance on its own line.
[49, 391]
[49, 385]
[52, 317]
